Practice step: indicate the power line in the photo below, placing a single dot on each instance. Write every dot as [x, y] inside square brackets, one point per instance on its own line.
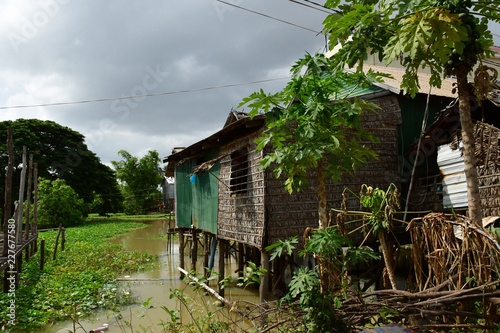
[330, 10]
[140, 96]
[271, 17]
[309, 6]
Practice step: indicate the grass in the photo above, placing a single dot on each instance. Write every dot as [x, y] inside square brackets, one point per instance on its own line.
[79, 281]
[125, 217]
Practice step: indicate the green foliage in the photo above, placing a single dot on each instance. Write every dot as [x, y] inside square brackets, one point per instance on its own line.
[79, 281]
[444, 36]
[339, 256]
[58, 204]
[382, 205]
[140, 180]
[306, 122]
[282, 247]
[60, 153]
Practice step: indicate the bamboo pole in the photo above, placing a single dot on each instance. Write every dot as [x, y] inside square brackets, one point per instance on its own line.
[215, 294]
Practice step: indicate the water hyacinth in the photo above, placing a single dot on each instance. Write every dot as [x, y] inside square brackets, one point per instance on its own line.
[79, 281]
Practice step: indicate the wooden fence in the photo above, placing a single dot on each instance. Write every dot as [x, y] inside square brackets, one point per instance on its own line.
[19, 230]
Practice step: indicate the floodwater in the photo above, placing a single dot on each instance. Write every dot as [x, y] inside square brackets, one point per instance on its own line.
[156, 285]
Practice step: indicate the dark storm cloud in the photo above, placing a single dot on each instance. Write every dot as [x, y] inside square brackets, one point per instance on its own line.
[63, 50]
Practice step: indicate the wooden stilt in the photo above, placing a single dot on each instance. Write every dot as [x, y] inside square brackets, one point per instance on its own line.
[264, 286]
[206, 252]
[222, 267]
[181, 251]
[241, 259]
[194, 249]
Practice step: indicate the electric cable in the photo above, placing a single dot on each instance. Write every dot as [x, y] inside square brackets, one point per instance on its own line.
[271, 17]
[141, 96]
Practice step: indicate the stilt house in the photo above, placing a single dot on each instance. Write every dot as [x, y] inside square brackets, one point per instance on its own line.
[222, 190]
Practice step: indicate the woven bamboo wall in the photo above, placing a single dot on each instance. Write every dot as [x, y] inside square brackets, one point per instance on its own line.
[291, 215]
[241, 215]
[488, 167]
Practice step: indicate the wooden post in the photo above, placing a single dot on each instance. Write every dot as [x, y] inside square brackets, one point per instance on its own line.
[181, 251]
[5, 281]
[21, 200]
[27, 226]
[206, 252]
[63, 238]
[194, 249]
[222, 267]
[264, 286]
[241, 259]
[8, 191]
[35, 200]
[27, 254]
[57, 241]
[19, 262]
[42, 254]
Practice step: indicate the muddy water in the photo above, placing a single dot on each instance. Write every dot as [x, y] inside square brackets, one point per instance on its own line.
[157, 285]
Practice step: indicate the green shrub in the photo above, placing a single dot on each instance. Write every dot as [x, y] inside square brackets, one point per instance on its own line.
[58, 204]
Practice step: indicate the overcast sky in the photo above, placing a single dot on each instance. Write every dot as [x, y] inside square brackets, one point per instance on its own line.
[57, 51]
[68, 51]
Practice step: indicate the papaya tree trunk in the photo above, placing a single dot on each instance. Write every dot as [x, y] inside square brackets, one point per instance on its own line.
[322, 212]
[323, 222]
[468, 147]
[388, 259]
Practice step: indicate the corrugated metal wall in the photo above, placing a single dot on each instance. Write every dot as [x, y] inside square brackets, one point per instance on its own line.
[184, 194]
[206, 198]
[451, 165]
[197, 204]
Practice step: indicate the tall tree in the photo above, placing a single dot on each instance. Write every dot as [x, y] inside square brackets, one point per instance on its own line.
[140, 179]
[61, 153]
[308, 129]
[449, 37]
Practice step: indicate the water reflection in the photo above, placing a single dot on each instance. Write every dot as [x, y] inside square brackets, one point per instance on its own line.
[157, 285]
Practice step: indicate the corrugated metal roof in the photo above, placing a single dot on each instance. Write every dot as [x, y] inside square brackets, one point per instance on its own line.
[451, 164]
[350, 91]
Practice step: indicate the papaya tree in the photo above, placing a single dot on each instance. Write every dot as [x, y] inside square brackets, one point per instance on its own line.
[449, 37]
[309, 129]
